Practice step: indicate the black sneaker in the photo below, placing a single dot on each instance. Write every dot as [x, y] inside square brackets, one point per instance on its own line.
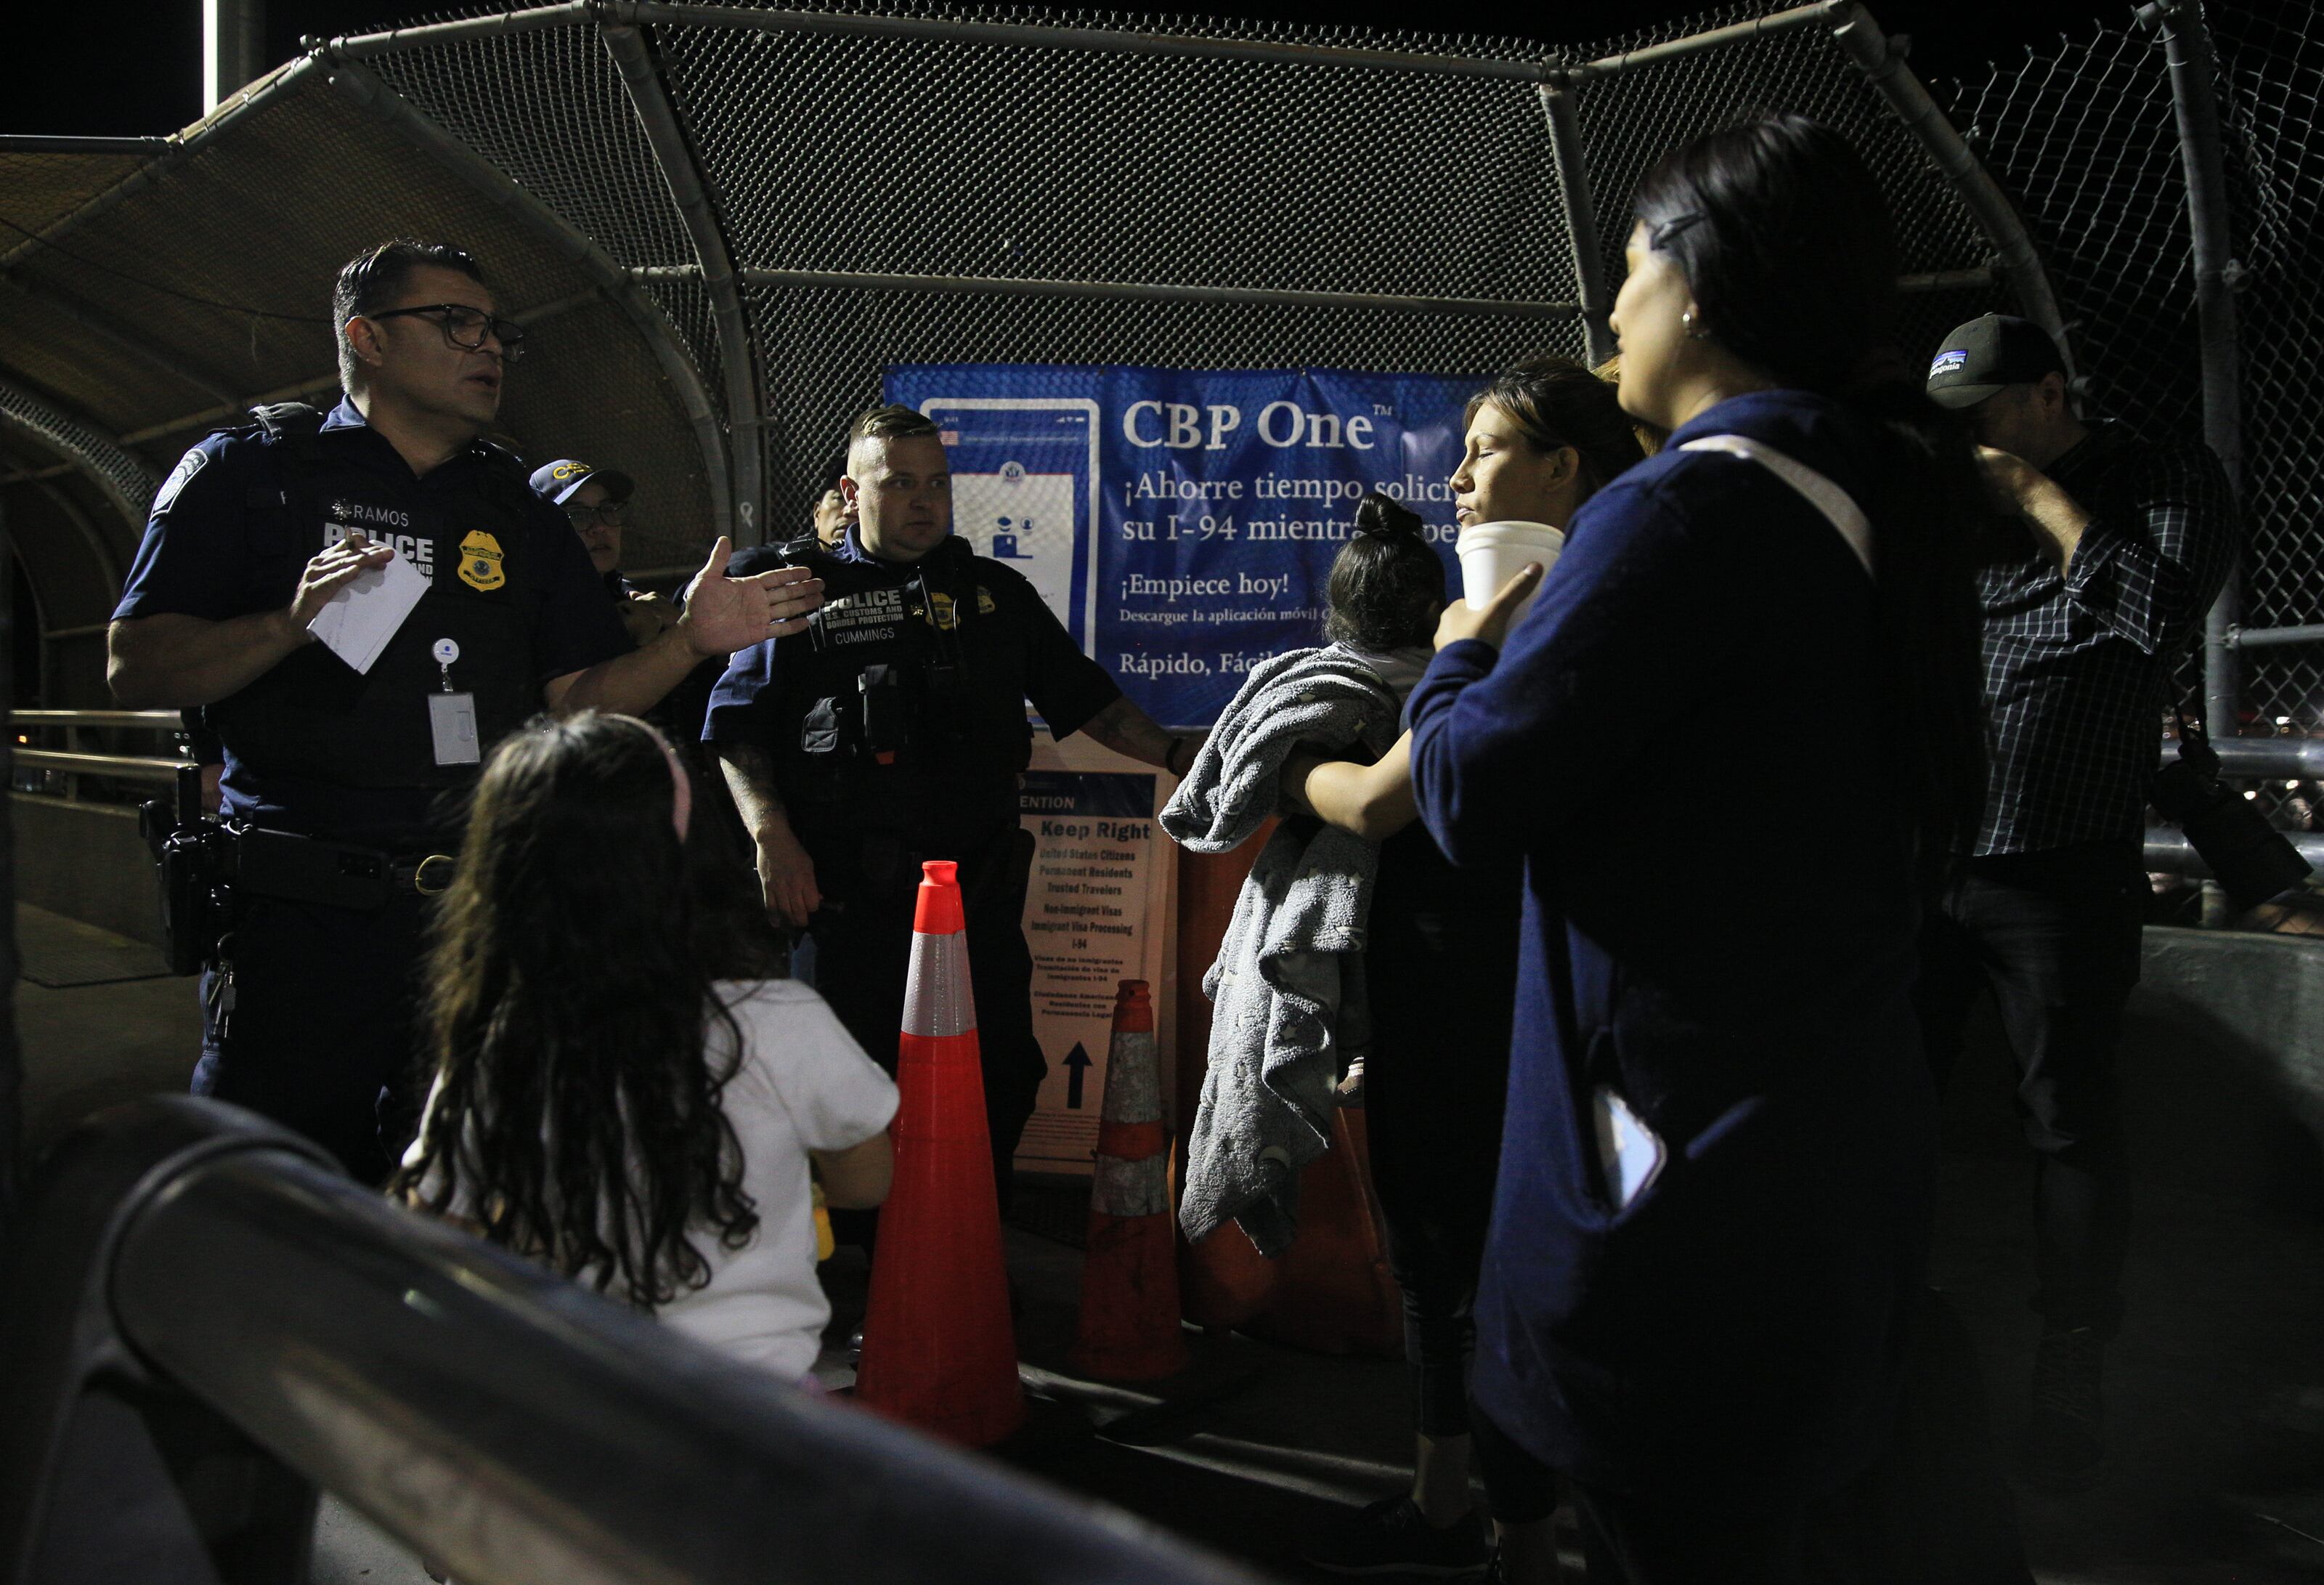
[1391, 1537]
[2065, 1432]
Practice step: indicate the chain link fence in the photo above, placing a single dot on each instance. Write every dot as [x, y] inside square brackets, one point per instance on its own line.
[2272, 89]
[908, 184]
[2083, 136]
[899, 181]
[1631, 120]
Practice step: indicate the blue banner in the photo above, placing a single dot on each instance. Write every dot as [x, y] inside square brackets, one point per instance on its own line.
[1183, 522]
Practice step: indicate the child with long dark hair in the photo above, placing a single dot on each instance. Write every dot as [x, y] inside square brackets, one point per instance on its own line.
[1718, 1162]
[1440, 950]
[623, 1088]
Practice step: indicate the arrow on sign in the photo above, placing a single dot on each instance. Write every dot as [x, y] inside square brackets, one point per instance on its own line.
[1078, 1065]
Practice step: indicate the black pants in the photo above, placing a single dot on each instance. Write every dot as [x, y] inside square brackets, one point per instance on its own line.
[321, 1037]
[2055, 935]
[1520, 1488]
[1441, 979]
[1639, 1540]
[1707, 1539]
[863, 955]
[1933, 1510]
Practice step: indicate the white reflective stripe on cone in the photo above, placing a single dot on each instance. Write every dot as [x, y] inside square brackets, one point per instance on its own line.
[1133, 1081]
[1130, 1188]
[937, 1000]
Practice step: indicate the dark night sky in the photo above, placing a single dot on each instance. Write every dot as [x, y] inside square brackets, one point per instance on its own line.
[127, 68]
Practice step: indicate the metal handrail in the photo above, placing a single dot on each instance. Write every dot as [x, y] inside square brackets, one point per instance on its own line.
[2262, 758]
[2170, 852]
[193, 1277]
[127, 767]
[2262, 638]
[140, 720]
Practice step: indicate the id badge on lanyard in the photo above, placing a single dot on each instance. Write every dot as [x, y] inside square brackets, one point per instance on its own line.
[451, 716]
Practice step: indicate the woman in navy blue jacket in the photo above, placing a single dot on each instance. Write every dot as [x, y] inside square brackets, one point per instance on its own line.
[1717, 1167]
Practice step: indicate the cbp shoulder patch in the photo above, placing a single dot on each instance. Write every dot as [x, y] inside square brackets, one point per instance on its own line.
[480, 561]
[194, 460]
[1948, 361]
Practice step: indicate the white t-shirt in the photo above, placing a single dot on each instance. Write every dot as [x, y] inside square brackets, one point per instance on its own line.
[804, 1084]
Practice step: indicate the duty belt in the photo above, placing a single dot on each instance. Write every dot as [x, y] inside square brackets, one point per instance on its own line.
[292, 867]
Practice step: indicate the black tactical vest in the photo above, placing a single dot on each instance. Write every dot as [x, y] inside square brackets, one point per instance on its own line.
[313, 715]
[900, 709]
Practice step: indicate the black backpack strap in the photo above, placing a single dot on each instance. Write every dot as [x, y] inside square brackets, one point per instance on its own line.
[284, 419]
[291, 431]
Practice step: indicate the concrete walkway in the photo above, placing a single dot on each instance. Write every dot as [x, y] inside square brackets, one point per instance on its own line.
[2216, 1387]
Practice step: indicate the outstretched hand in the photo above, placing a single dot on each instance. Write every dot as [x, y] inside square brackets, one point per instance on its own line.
[724, 615]
[1492, 623]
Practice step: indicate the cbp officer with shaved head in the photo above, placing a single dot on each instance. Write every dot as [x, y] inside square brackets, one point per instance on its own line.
[342, 780]
[893, 731]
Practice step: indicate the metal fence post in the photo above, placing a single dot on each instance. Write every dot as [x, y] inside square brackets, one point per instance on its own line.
[1581, 212]
[2187, 45]
[645, 316]
[1859, 37]
[737, 357]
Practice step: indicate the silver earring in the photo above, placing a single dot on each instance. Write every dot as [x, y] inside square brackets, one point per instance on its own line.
[1686, 321]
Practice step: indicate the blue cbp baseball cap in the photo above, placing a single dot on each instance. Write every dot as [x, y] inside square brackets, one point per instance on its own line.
[560, 478]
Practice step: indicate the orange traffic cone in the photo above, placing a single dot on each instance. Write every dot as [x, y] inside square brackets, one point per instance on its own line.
[938, 1350]
[1130, 1281]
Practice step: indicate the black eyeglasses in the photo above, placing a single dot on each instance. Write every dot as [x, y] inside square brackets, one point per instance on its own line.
[466, 328]
[610, 515]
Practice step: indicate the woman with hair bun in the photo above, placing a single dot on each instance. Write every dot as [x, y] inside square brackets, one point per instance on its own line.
[1718, 1164]
[1440, 960]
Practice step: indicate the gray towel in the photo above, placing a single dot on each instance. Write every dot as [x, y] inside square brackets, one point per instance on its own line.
[1288, 989]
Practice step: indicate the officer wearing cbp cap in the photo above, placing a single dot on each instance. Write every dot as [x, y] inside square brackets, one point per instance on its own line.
[597, 501]
[336, 779]
[893, 731]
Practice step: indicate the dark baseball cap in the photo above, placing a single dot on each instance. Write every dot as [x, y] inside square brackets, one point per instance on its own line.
[560, 478]
[1989, 352]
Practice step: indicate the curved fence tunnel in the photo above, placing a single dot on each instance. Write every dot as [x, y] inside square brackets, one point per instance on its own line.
[724, 220]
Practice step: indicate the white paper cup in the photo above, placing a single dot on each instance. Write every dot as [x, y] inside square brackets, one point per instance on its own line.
[1491, 553]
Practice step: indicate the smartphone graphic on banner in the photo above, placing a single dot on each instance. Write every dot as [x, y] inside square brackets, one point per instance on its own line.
[1024, 493]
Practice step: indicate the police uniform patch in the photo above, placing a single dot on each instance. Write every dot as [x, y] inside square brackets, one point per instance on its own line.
[983, 601]
[480, 561]
[192, 462]
[946, 618]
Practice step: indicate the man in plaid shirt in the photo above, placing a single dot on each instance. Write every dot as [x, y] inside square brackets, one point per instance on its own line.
[2109, 548]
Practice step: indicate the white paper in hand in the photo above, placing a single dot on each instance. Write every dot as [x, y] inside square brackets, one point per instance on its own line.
[361, 617]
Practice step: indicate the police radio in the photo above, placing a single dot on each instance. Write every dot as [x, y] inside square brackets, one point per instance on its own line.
[194, 855]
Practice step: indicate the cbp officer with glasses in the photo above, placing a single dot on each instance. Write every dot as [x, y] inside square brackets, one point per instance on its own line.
[597, 501]
[340, 792]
